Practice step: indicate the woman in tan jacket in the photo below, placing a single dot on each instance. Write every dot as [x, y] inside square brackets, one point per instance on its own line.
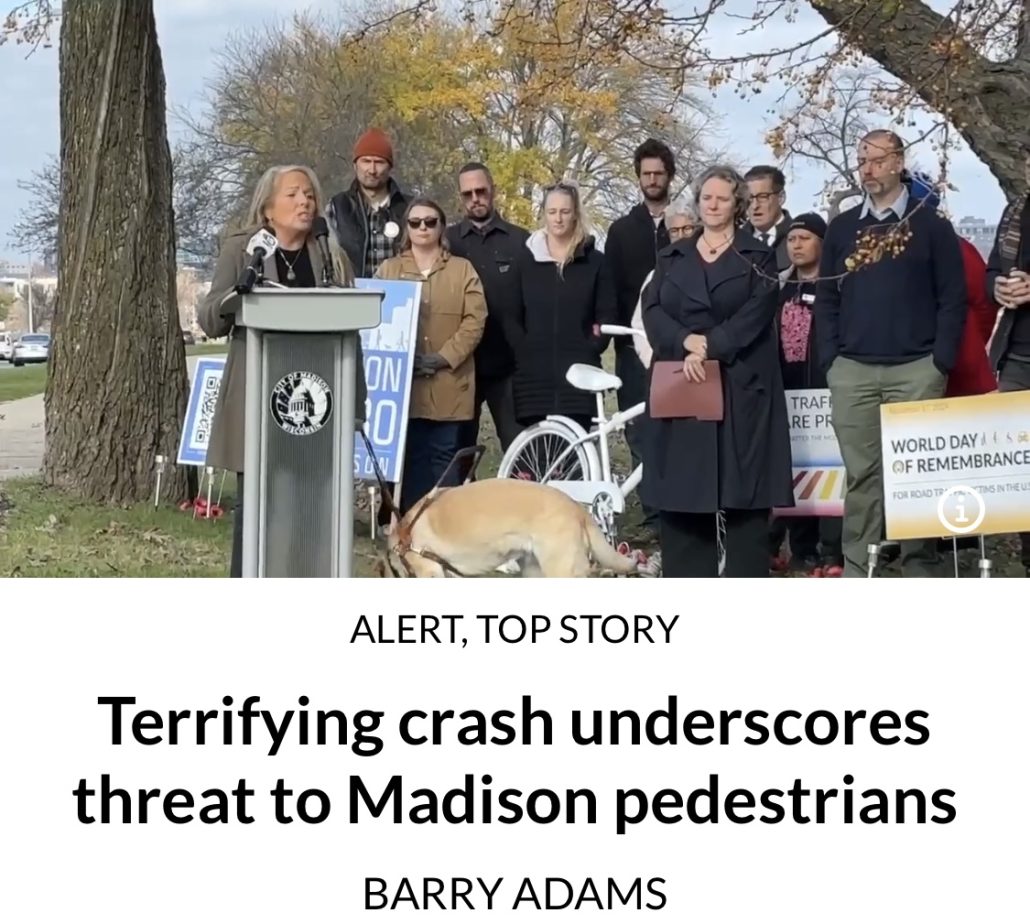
[452, 314]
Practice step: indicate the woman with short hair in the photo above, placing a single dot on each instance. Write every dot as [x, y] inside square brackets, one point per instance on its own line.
[714, 297]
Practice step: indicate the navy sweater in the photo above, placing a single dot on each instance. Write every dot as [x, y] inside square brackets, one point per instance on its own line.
[899, 309]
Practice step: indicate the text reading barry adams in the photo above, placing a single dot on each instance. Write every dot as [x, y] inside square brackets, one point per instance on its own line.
[512, 629]
[544, 893]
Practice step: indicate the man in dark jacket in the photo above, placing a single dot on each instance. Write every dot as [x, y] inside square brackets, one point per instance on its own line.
[631, 250]
[815, 542]
[367, 217]
[493, 246]
[1008, 286]
[768, 221]
[886, 331]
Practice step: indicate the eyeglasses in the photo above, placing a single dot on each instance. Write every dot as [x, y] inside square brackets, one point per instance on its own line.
[680, 229]
[480, 192]
[763, 197]
[423, 222]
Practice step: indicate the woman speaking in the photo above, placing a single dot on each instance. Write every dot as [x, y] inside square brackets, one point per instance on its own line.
[286, 202]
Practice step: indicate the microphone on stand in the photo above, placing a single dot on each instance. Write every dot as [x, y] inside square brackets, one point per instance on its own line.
[259, 246]
[320, 227]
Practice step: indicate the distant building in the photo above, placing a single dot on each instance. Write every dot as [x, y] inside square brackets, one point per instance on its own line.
[978, 232]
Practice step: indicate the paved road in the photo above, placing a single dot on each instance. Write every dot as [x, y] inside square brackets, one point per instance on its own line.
[22, 432]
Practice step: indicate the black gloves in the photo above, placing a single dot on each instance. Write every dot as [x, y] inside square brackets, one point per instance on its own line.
[429, 363]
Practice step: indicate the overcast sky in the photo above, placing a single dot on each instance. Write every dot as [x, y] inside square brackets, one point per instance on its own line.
[191, 30]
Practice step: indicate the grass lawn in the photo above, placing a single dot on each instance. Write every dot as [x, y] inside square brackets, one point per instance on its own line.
[22, 382]
[45, 533]
[31, 380]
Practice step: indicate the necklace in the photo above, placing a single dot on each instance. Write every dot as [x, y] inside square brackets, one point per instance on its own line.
[291, 276]
[713, 250]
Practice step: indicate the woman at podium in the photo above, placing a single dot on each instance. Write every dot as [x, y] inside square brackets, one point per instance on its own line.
[451, 317]
[286, 203]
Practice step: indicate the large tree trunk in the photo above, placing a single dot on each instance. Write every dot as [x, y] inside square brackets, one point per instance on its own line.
[988, 102]
[117, 387]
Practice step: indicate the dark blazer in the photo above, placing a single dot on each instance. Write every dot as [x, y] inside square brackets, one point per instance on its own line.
[779, 244]
[554, 327]
[742, 462]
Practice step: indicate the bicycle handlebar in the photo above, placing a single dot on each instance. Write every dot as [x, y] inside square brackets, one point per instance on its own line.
[618, 329]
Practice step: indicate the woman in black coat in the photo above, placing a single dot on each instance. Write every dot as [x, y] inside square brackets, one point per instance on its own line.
[714, 296]
[567, 292]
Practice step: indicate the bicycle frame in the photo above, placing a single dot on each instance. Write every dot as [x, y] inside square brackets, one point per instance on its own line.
[605, 426]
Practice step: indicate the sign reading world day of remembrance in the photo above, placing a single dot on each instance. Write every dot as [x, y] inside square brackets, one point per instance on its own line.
[819, 478]
[388, 353]
[956, 466]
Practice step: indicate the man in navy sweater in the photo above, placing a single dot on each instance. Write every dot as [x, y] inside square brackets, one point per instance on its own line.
[888, 331]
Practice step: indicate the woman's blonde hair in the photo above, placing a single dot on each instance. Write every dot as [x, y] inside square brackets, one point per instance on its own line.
[582, 227]
[264, 192]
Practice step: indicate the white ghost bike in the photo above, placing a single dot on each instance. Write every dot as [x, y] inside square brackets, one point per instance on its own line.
[559, 452]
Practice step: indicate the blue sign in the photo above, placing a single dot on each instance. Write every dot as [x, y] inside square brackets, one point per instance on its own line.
[200, 412]
[388, 351]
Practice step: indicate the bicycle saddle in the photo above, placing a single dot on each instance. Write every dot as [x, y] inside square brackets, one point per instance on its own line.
[589, 378]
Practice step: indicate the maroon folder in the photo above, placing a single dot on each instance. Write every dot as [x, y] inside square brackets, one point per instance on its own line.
[674, 396]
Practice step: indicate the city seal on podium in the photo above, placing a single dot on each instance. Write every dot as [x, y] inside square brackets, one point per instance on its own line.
[302, 403]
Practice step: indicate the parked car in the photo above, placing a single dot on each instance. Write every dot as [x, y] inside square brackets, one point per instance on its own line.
[6, 345]
[31, 348]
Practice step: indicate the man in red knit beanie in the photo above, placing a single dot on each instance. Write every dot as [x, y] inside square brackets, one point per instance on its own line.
[367, 216]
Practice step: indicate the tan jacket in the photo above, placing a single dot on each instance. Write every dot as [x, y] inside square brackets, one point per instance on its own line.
[451, 318]
[226, 449]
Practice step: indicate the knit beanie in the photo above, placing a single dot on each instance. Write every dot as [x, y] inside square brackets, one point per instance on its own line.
[374, 143]
[811, 222]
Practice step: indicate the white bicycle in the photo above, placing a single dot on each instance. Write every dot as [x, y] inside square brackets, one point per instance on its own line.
[559, 452]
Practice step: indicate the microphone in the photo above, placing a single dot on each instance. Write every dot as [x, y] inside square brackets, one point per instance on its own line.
[320, 227]
[259, 246]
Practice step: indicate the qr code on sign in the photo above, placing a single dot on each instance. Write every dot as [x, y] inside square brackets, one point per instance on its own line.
[208, 400]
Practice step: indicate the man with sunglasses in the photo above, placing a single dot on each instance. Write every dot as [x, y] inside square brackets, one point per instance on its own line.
[492, 245]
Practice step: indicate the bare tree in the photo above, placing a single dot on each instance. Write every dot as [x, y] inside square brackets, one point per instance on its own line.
[35, 230]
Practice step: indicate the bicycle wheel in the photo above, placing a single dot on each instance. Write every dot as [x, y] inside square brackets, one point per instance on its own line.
[535, 450]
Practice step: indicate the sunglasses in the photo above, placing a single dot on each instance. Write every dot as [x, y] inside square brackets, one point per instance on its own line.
[480, 192]
[423, 222]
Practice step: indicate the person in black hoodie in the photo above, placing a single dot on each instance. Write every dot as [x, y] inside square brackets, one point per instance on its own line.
[565, 294]
[815, 542]
[631, 249]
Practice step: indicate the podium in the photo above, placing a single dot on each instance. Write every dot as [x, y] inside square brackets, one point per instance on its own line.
[298, 486]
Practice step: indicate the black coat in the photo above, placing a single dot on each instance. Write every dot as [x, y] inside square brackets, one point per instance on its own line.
[742, 462]
[779, 243]
[553, 328]
[631, 250]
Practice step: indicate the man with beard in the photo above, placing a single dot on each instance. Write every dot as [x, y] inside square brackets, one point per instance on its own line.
[631, 250]
[886, 331]
[492, 245]
[367, 217]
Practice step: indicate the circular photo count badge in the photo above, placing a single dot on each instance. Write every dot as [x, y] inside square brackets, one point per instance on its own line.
[961, 509]
[302, 403]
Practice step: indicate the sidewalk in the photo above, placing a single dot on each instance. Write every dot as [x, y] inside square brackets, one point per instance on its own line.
[21, 437]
